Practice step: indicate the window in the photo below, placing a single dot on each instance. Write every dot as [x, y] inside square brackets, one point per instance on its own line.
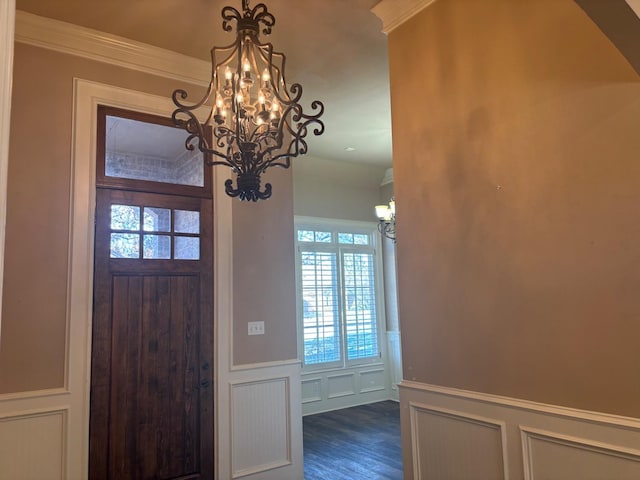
[155, 233]
[337, 295]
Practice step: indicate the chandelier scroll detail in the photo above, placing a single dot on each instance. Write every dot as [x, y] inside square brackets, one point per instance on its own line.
[254, 119]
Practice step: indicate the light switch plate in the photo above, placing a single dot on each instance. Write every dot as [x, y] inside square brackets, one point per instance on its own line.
[256, 328]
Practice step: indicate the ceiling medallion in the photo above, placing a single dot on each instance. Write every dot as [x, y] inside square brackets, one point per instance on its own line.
[254, 119]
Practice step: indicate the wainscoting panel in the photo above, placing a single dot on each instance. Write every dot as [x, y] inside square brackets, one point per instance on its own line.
[33, 445]
[452, 445]
[260, 417]
[557, 457]
[394, 349]
[462, 435]
[341, 385]
[311, 390]
[372, 380]
[325, 390]
[265, 436]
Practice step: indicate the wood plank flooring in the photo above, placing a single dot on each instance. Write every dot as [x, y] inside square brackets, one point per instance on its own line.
[358, 443]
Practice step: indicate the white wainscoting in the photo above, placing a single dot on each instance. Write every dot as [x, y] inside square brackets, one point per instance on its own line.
[265, 421]
[394, 350]
[326, 390]
[460, 435]
[34, 442]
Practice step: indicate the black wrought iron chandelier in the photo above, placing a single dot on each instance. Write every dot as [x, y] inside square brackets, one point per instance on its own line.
[254, 121]
[387, 219]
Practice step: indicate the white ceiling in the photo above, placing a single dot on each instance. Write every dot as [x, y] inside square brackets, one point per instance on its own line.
[334, 48]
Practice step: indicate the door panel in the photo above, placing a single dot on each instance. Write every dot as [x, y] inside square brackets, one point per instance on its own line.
[152, 355]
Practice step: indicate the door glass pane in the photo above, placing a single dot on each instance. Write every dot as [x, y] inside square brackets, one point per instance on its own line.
[125, 245]
[187, 248]
[125, 217]
[146, 151]
[157, 246]
[187, 221]
[157, 219]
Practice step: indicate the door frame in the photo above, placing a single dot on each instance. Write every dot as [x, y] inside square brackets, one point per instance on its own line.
[87, 96]
[7, 27]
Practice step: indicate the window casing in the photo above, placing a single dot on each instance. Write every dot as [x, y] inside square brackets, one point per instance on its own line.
[339, 300]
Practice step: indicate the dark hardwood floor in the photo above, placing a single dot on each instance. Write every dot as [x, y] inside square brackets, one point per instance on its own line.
[358, 443]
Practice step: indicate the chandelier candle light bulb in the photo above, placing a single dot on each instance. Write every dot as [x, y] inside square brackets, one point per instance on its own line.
[250, 128]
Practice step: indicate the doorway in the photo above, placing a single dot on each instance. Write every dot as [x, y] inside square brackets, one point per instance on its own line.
[152, 366]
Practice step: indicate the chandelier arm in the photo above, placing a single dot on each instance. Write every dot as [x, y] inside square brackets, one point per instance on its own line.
[262, 15]
[278, 77]
[184, 95]
[229, 14]
[231, 48]
[196, 131]
[247, 194]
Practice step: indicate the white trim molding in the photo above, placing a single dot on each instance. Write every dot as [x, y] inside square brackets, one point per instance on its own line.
[394, 13]
[388, 177]
[71, 439]
[33, 444]
[7, 25]
[585, 415]
[509, 438]
[489, 441]
[635, 6]
[264, 421]
[94, 45]
[621, 463]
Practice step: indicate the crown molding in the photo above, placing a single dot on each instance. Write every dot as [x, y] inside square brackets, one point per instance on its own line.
[394, 13]
[103, 47]
[635, 6]
[388, 177]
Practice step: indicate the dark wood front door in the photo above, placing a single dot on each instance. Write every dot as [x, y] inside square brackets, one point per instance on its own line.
[152, 353]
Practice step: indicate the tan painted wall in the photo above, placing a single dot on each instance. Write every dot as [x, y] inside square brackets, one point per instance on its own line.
[517, 172]
[332, 189]
[34, 301]
[264, 274]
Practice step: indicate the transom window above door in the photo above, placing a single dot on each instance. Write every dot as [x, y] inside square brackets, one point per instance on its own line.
[146, 153]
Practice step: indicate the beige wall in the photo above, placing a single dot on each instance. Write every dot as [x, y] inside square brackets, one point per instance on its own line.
[332, 189]
[264, 275]
[516, 149]
[37, 236]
